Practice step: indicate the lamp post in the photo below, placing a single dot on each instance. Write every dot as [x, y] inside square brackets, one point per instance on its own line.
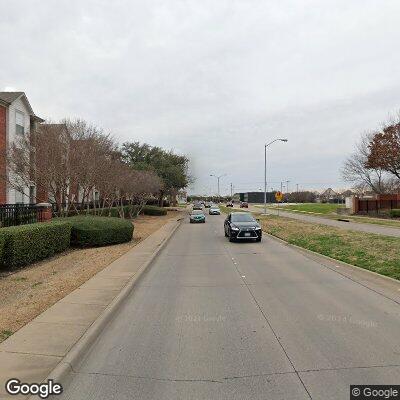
[265, 170]
[218, 178]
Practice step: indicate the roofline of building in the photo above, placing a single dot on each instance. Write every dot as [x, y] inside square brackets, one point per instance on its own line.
[31, 113]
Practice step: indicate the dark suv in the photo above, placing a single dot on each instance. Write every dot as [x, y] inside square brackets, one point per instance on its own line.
[242, 225]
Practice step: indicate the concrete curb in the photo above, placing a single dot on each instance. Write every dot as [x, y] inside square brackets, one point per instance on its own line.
[62, 372]
[332, 260]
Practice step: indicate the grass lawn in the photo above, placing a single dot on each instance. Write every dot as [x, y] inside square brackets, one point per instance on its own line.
[376, 253]
[329, 211]
[376, 221]
[228, 210]
[320, 208]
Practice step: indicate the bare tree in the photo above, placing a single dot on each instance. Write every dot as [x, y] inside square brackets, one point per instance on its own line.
[71, 161]
[40, 158]
[356, 170]
[90, 150]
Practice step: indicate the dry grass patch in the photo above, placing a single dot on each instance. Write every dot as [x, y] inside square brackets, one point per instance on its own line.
[28, 292]
[376, 253]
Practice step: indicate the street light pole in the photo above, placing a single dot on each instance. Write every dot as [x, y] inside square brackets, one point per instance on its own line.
[265, 179]
[265, 170]
[218, 178]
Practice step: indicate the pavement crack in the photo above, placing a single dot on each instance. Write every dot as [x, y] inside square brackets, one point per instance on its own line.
[347, 368]
[259, 375]
[149, 377]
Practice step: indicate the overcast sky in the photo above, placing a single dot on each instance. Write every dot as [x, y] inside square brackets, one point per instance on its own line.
[214, 79]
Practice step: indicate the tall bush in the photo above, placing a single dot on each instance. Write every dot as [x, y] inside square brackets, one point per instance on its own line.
[99, 231]
[26, 244]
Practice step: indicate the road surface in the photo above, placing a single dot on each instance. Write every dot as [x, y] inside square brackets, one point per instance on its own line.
[219, 320]
[354, 226]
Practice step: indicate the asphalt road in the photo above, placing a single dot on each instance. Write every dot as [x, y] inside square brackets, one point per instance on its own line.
[219, 320]
[354, 226]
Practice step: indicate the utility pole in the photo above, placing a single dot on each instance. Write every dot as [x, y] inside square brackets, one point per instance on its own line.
[297, 187]
[231, 190]
[287, 187]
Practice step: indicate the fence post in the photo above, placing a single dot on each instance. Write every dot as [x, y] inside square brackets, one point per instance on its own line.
[355, 205]
[44, 212]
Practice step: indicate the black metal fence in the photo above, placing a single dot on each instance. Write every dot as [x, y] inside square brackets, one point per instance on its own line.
[19, 214]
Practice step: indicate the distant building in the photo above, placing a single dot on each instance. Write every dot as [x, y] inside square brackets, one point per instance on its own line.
[255, 197]
[332, 196]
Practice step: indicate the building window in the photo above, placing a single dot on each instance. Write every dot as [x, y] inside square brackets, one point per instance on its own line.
[19, 123]
[19, 197]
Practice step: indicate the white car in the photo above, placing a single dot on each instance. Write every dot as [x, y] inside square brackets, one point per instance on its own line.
[214, 210]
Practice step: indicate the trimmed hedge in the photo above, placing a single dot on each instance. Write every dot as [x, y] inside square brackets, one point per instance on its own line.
[154, 210]
[395, 213]
[99, 231]
[114, 211]
[2, 246]
[25, 244]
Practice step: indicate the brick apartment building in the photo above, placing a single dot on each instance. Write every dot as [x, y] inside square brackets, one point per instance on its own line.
[16, 118]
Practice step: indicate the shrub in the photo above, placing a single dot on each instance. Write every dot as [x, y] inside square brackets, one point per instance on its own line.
[99, 231]
[153, 210]
[2, 247]
[395, 213]
[26, 244]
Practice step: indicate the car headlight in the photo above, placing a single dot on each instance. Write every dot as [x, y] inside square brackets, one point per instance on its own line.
[234, 228]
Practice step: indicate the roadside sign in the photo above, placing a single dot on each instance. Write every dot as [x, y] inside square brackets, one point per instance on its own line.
[279, 196]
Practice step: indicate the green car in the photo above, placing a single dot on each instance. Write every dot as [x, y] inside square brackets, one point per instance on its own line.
[197, 216]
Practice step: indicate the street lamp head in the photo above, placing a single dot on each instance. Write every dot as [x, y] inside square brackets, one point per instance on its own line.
[283, 140]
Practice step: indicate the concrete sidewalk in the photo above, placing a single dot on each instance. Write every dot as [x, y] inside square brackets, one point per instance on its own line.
[33, 352]
[352, 226]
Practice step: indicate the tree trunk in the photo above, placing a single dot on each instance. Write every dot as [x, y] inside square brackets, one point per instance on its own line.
[161, 199]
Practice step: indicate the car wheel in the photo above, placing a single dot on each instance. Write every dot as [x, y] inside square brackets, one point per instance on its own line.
[231, 238]
[258, 239]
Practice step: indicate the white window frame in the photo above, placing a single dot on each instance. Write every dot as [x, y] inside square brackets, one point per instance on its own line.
[22, 117]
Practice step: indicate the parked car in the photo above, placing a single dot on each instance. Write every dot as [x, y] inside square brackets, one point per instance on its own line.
[208, 204]
[244, 204]
[214, 210]
[197, 216]
[242, 225]
[229, 204]
[197, 206]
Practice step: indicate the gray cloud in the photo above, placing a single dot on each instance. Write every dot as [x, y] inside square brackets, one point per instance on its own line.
[214, 79]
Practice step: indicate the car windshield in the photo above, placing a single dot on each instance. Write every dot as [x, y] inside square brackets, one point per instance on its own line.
[197, 212]
[237, 217]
